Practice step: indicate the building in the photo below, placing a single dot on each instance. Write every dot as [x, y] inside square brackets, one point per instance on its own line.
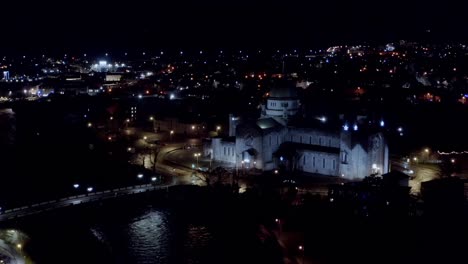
[271, 142]
[443, 197]
[6, 75]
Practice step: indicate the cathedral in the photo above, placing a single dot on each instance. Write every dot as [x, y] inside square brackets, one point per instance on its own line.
[272, 142]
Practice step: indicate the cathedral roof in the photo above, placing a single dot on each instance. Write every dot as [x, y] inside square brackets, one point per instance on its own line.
[266, 123]
[284, 89]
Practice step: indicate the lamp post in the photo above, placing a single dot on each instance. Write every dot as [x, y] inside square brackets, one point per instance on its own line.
[280, 227]
[127, 121]
[196, 156]
[170, 135]
[301, 249]
[151, 118]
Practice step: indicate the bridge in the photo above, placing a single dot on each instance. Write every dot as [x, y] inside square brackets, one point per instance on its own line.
[37, 208]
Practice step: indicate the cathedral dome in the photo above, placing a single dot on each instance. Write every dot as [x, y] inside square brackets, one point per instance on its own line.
[282, 103]
[284, 90]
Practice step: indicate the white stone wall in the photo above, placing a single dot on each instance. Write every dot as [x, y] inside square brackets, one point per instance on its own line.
[244, 144]
[319, 162]
[271, 143]
[378, 153]
[313, 137]
[223, 151]
[281, 107]
[354, 159]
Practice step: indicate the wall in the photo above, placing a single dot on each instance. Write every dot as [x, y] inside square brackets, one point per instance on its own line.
[313, 137]
[223, 150]
[313, 161]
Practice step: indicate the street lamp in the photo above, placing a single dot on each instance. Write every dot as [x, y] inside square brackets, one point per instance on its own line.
[301, 249]
[90, 189]
[153, 179]
[140, 176]
[280, 228]
[76, 185]
[218, 128]
[426, 150]
[170, 135]
[90, 124]
[452, 160]
[151, 118]
[196, 155]
[145, 138]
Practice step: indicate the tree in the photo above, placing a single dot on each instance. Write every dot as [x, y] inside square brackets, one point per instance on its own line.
[153, 152]
[149, 153]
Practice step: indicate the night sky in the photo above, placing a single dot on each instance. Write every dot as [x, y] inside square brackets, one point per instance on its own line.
[240, 23]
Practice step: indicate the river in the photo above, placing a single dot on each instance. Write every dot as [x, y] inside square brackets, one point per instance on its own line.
[134, 232]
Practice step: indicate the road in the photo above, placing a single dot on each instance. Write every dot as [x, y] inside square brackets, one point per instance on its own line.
[79, 199]
[420, 172]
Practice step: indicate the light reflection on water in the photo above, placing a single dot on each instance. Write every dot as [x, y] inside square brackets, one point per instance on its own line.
[130, 233]
[151, 238]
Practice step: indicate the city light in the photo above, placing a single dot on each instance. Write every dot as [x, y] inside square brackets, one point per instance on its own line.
[89, 189]
[140, 176]
[76, 185]
[153, 179]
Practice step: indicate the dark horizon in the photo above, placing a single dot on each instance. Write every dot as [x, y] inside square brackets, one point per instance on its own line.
[240, 24]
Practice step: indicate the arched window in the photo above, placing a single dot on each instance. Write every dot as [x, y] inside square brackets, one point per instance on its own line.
[344, 157]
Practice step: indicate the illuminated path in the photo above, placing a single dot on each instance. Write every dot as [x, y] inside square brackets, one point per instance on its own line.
[79, 199]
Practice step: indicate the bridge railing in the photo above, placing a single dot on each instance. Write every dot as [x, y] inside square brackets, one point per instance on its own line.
[53, 204]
